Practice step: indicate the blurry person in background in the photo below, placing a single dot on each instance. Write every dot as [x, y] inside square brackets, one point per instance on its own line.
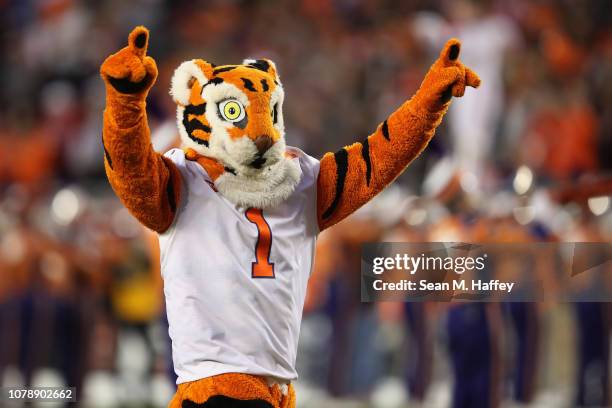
[417, 316]
[136, 299]
[472, 329]
[558, 131]
[593, 319]
[474, 125]
[26, 178]
[560, 139]
[521, 318]
[52, 326]
[16, 263]
[354, 344]
[314, 354]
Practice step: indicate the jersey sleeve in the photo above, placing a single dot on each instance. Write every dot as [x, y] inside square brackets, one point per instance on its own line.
[309, 167]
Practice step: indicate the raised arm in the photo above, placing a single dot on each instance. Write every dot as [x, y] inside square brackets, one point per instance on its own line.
[148, 184]
[354, 174]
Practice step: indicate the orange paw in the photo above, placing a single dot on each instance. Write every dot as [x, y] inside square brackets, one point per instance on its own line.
[130, 71]
[446, 78]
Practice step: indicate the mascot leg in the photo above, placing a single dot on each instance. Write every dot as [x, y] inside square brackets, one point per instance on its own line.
[233, 391]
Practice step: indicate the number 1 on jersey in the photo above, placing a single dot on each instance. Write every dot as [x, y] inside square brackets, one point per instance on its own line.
[262, 267]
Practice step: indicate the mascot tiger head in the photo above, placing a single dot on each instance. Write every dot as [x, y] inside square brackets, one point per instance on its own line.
[233, 114]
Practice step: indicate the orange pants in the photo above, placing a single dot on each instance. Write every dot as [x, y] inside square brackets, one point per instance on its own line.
[220, 390]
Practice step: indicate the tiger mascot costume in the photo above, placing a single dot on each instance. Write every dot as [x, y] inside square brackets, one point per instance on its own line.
[238, 212]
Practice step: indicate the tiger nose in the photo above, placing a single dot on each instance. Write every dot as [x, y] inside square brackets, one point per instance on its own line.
[263, 143]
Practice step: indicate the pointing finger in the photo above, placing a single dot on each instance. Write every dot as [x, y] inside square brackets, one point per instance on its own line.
[138, 41]
[450, 52]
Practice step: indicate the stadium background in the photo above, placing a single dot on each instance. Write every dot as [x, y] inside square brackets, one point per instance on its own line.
[524, 158]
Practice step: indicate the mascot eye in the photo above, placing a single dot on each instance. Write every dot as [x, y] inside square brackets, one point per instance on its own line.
[231, 110]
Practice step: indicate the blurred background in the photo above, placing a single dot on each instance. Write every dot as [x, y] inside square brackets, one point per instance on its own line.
[525, 158]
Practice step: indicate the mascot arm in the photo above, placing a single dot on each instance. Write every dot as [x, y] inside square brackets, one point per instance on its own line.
[147, 183]
[353, 175]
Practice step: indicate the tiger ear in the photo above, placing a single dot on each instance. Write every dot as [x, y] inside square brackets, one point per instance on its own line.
[185, 76]
[263, 64]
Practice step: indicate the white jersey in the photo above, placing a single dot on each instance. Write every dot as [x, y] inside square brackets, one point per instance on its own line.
[234, 299]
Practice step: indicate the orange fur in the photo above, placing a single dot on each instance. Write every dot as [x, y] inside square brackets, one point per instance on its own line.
[396, 142]
[238, 386]
[212, 166]
[147, 184]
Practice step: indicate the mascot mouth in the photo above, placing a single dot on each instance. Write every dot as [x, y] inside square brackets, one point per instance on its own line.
[258, 163]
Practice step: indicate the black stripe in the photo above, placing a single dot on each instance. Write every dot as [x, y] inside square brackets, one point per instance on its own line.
[196, 109]
[275, 113]
[365, 153]
[214, 81]
[125, 86]
[261, 65]
[197, 140]
[453, 52]
[196, 124]
[248, 84]
[141, 40]
[224, 69]
[264, 85]
[219, 401]
[385, 130]
[447, 94]
[107, 155]
[341, 157]
[193, 124]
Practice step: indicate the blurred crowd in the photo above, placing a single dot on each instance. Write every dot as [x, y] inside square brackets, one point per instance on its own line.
[525, 158]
